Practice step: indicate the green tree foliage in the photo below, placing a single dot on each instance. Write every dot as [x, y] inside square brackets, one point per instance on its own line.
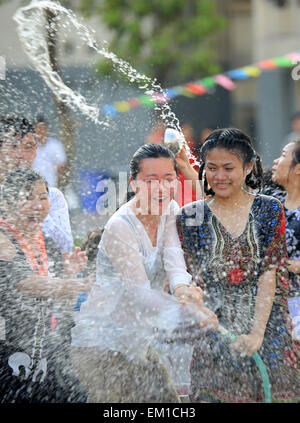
[172, 40]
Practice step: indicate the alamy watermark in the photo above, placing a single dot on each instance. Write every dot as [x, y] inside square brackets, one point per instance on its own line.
[151, 197]
[2, 68]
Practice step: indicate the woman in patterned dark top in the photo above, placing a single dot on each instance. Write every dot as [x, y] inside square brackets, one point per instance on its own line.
[235, 249]
[286, 172]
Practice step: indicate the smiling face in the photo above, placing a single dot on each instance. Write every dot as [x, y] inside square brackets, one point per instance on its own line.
[31, 209]
[281, 170]
[225, 172]
[155, 185]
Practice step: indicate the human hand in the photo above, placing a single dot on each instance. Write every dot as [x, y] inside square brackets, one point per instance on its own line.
[206, 319]
[190, 293]
[75, 262]
[182, 159]
[248, 344]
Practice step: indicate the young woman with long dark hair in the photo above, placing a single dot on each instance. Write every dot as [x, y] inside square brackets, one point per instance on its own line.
[235, 248]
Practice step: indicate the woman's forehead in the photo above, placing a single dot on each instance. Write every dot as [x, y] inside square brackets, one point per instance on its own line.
[223, 155]
[38, 186]
[156, 166]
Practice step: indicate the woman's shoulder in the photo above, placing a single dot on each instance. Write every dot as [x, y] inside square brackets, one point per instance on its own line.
[57, 199]
[193, 214]
[120, 219]
[193, 207]
[268, 202]
[7, 249]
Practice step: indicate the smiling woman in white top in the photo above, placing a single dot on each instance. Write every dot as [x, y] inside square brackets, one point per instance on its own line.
[127, 315]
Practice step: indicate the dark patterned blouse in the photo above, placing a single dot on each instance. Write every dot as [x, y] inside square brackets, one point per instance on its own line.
[228, 270]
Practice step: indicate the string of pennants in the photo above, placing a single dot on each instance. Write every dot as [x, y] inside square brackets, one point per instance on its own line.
[204, 85]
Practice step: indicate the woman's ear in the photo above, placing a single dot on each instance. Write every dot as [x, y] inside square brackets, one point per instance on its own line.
[132, 185]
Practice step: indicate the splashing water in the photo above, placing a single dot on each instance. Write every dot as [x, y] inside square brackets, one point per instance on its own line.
[31, 22]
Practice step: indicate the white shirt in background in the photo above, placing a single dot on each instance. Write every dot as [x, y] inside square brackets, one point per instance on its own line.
[57, 223]
[49, 157]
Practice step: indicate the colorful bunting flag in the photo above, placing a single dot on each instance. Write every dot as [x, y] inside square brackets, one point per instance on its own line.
[202, 86]
[225, 82]
[196, 88]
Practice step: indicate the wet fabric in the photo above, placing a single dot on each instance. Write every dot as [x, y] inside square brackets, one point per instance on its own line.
[228, 269]
[127, 311]
[127, 304]
[293, 250]
[35, 363]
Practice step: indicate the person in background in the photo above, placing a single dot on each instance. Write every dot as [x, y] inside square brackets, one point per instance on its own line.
[156, 135]
[90, 246]
[51, 160]
[10, 151]
[189, 189]
[22, 154]
[286, 172]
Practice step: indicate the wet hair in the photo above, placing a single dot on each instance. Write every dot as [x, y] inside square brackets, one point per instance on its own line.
[295, 154]
[18, 182]
[235, 141]
[269, 185]
[90, 246]
[150, 151]
[41, 119]
[12, 126]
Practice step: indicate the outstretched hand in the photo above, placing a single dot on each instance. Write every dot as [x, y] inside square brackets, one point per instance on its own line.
[192, 297]
[75, 262]
[191, 293]
[182, 159]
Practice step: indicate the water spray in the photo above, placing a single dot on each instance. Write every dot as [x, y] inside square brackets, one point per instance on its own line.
[31, 22]
[260, 364]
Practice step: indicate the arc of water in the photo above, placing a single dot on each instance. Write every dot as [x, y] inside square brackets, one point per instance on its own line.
[30, 27]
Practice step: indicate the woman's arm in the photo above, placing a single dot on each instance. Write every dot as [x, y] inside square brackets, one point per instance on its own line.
[190, 174]
[174, 262]
[47, 287]
[249, 344]
[294, 266]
